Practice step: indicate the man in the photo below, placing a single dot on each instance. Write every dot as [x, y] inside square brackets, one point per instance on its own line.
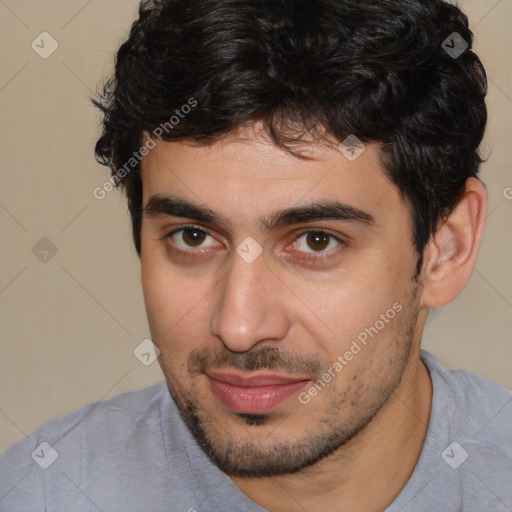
[302, 182]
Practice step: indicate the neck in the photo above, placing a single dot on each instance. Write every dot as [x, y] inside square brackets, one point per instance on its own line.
[368, 472]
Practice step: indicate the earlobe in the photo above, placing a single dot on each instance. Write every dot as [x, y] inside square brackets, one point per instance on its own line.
[452, 251]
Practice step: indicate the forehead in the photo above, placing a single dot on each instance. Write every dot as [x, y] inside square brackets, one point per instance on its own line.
[246, 173]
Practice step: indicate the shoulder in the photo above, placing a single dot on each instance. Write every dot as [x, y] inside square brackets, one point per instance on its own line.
[129, 407]
[72, 441]
[477, 408]
[470, 429]
[120, 412]
[466, 460]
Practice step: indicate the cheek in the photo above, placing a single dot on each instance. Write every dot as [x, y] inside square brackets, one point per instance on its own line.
[157, 296]
[348, 308]
[164, 296]
[176, 306]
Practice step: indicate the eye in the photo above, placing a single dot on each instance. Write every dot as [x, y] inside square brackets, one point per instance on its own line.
[190, 237]
[317, 241]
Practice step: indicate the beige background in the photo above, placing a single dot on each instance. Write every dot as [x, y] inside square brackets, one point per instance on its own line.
[69, 325]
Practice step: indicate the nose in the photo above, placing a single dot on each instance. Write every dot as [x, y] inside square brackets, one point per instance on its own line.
[250, 306]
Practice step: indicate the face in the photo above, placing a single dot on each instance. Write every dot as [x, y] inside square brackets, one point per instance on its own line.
[280, 293]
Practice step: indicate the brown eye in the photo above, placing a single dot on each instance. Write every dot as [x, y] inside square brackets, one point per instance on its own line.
[312, 242]
[193, 237]
[318, 241]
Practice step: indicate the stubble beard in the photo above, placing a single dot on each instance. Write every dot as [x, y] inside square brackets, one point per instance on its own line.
[348, 413]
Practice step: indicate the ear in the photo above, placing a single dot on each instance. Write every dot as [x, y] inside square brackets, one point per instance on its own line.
[452, 251]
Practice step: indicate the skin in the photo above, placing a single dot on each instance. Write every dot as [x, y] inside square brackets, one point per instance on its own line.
[291, 316]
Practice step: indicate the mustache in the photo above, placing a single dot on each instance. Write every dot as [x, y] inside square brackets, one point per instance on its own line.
[268, 358]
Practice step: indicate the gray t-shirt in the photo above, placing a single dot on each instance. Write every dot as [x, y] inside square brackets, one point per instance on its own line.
[134, 453]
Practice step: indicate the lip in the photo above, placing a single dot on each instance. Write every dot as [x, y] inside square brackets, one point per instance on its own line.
[254, 394]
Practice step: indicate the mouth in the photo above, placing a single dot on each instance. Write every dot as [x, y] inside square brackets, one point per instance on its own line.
[254, 394]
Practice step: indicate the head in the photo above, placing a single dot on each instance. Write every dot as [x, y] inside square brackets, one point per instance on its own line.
[264, 249]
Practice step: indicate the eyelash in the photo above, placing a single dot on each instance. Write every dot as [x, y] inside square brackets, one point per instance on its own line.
[310, 258]
[191, 253]
[319, 257]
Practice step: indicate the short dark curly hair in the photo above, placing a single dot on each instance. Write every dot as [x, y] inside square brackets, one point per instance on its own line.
[376, 69]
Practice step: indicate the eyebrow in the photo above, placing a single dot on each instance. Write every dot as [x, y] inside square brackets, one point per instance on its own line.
[328, 210]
